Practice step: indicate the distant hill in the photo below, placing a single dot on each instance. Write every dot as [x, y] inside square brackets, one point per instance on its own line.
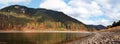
[17, 17]
[97, 27]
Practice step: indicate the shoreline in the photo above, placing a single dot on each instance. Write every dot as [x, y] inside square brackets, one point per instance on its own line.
[50, 32]
[44, 32]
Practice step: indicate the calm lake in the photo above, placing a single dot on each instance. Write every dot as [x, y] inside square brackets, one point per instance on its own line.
[39, 38]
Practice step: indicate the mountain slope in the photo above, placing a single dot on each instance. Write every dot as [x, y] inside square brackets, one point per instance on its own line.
[98, 27]
[37, 19]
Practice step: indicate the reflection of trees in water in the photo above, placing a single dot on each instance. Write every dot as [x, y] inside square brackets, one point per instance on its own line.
[42, 38]
[45, 38]
[68, 36]
[72, 36]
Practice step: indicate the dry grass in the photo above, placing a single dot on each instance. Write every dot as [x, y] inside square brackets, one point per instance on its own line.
[114, 29]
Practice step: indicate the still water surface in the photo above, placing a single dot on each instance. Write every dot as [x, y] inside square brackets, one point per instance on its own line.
[38, 38]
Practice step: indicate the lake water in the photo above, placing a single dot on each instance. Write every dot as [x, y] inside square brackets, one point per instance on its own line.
[38, 38]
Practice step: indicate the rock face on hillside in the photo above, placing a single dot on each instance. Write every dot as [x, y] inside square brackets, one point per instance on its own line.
[35, 19]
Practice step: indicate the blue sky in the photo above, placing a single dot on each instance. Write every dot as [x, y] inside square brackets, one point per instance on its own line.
[103, 12]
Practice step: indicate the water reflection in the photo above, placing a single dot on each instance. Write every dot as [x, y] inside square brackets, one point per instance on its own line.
[38, 38]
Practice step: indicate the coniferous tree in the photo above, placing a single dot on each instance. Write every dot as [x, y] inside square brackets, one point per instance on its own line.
[114, 24]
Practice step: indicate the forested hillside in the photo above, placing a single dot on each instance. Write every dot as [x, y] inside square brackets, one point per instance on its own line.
[18, 17]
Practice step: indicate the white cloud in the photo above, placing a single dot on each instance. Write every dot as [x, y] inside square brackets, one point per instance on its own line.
[4, 6]
[13, 1]
[104, 22]
[58, 5]
[53, 4]
[84, 9]
[111, 8]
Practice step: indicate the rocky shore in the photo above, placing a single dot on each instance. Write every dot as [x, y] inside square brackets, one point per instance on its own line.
[99, 38]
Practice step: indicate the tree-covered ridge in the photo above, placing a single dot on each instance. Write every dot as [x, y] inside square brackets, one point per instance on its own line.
[31, 12]
[115, 24]
[15, 18]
